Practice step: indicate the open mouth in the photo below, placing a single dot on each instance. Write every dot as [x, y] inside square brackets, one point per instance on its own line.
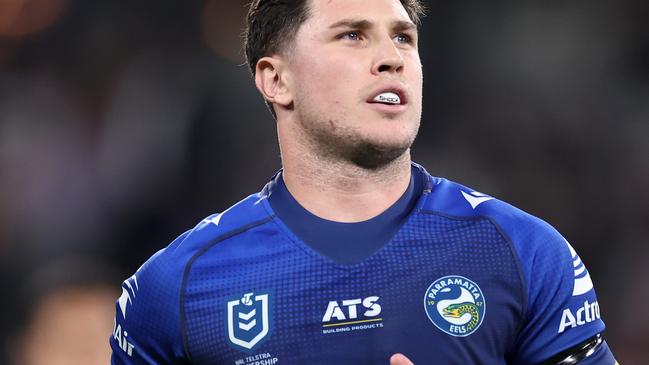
[389, 98]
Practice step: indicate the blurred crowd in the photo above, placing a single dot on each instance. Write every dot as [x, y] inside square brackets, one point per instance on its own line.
[122, 124]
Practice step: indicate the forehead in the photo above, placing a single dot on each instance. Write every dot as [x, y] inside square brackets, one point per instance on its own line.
[326, 12]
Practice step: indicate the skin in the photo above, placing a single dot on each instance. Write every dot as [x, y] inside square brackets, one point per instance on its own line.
[400, 359]
[68, 327]
[345, 159]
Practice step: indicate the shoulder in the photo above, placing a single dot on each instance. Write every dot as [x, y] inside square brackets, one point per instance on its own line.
[148, 316]
[540, 251]
[525, 231]
[560, 306]
[173, 259]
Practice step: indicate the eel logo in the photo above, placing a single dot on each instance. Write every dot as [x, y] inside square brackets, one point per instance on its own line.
[455, 305]
[249, 320]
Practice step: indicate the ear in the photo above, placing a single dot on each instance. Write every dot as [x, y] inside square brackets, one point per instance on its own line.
[273, 81]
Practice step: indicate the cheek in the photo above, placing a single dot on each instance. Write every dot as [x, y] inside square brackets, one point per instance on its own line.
[326, 78]
[416, 70]
[415, 81]
[413, 63]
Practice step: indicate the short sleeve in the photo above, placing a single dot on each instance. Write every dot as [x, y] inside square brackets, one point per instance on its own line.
[146, 328]
[562, 308]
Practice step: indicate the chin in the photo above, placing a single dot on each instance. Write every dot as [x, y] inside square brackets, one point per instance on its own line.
[374, 156]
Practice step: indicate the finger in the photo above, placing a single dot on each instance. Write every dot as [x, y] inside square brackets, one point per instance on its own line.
[400, 359]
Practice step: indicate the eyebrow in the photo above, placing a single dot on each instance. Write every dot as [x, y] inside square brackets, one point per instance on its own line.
[352, 23]
[402, 25]
[362, 24]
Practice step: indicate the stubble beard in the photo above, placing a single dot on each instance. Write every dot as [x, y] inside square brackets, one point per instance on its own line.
[336, 143]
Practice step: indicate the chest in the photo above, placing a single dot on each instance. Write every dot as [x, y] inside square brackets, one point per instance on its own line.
[438, 300]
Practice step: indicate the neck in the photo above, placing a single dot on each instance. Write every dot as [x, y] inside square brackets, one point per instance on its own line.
[342, 191]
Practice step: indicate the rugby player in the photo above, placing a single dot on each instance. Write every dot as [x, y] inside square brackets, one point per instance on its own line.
[352, 253]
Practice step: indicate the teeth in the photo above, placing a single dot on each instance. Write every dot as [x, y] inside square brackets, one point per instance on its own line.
[388, 97]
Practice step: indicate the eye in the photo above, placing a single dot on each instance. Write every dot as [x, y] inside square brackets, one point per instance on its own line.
[402, 38]
[353, 36]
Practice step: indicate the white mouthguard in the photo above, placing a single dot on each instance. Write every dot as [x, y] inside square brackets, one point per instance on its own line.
[388, 97]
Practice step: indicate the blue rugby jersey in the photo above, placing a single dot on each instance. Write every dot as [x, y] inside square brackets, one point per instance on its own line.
[467, 279]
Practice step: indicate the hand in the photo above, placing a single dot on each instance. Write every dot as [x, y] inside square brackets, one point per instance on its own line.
[400, 359]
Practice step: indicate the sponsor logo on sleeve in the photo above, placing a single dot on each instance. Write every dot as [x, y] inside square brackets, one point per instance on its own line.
[587, 313]
[120, 335]
[582, 284]
[129, 291]
[455, 305]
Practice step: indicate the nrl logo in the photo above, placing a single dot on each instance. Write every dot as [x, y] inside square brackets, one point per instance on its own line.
[248, 320]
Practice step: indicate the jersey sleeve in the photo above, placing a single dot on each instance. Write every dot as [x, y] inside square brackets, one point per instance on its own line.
[147, 327]
[562, 309]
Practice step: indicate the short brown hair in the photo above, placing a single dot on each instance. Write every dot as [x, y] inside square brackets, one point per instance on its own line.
[272, 24]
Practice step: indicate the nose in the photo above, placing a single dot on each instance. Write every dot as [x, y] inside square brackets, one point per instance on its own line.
[388, 58]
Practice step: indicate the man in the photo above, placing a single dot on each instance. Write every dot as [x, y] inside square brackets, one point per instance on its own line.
[352, 254]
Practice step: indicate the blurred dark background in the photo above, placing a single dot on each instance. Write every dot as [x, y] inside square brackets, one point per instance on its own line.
[123, 123]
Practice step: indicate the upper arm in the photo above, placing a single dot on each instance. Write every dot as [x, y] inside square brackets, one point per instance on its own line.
[147, 320]
[562, 307]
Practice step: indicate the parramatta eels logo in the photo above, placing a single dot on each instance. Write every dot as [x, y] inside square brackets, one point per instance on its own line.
[249, 320]
[455, 305]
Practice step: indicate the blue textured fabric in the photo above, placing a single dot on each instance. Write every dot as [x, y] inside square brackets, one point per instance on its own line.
[344, 242]
[467, 279]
